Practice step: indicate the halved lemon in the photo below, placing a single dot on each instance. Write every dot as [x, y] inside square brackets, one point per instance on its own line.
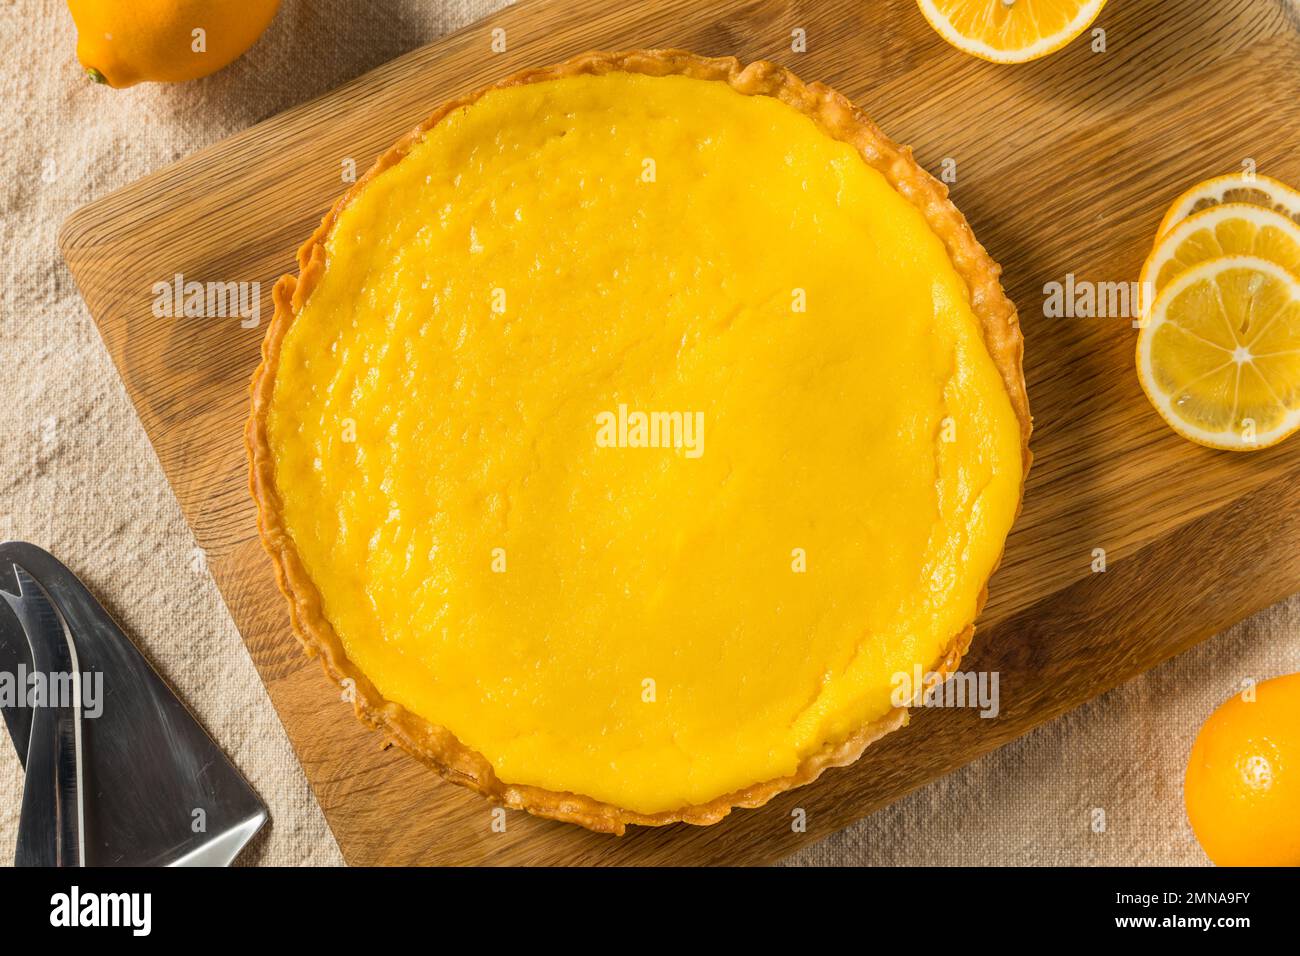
[1250, 188]
[1230, 229]
[1010, 31]
[1220, 356]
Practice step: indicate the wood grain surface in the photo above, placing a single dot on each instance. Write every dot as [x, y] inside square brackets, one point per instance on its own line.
[1064, 166]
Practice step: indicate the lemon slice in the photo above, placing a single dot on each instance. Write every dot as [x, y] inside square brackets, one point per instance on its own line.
[1010, 31]
[1253, 189]
[1230, 229]
[1220, 356]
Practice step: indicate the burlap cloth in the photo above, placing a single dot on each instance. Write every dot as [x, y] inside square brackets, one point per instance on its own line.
[78, 476]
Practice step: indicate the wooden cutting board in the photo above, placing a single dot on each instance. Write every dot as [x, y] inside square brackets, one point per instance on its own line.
[1063, 167]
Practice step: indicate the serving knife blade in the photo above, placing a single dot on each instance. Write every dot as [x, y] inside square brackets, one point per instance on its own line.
[15, 664]
[51, 827]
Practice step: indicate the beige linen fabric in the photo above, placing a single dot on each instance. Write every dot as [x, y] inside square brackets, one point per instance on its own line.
[78, 476]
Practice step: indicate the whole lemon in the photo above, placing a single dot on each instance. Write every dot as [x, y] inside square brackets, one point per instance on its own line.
[122, 42]
[1242, 786]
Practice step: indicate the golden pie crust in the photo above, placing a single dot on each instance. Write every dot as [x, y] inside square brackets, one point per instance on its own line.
[436, 746]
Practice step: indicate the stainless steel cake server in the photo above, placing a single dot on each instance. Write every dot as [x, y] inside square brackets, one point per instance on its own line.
[118, 772]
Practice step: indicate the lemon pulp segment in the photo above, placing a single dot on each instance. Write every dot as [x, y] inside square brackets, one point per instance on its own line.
[633, 623]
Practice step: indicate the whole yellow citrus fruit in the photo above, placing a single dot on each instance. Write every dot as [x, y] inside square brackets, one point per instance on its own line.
[1243, 779]
[122, 42]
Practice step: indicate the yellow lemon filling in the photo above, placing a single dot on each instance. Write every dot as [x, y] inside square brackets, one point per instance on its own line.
[641, 435]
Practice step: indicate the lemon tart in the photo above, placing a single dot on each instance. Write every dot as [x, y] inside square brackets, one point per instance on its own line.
[634, 431]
